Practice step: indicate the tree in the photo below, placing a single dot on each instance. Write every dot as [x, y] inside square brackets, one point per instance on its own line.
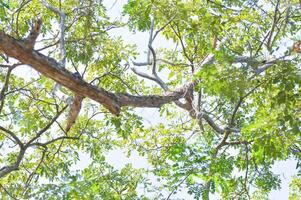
[230, 96]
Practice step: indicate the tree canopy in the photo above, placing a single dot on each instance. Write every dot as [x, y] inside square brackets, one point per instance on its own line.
[227, 91]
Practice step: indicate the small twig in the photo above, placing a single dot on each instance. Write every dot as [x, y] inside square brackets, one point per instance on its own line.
[274, 25]
[13, 135]
[18, 11]
[9, 194]
[46, 127]
[163, 27]
[180, 183]
[53, 140]
[150, 40]
[154, 76]
[5, 86]
[31, 175]
[62, 32]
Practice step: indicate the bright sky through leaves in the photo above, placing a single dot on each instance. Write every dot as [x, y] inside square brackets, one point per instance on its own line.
[207, 93]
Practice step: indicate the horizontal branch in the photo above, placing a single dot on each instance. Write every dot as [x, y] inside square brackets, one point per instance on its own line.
[51, 69]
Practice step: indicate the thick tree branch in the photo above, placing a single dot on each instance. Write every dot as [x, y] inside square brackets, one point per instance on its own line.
[51, 69]
[34, 33]
[74, 111]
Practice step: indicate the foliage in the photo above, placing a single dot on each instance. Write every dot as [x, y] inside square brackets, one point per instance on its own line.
[240, 116]
[295, 188]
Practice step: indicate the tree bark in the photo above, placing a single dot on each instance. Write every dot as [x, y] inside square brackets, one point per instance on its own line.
[52, 69]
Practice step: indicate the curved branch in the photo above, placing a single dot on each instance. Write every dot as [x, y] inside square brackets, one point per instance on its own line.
[13, 135]
[7, 169]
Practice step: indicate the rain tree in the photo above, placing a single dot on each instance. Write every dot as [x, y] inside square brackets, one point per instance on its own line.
[226, 89]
